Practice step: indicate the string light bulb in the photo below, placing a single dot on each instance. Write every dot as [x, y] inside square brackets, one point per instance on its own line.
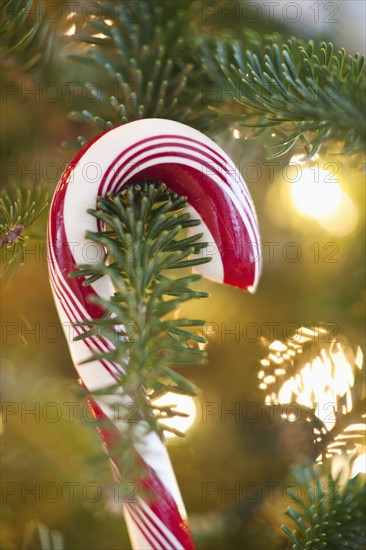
[324, 375]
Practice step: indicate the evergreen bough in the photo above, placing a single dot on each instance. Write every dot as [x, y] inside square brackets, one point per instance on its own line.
[301, 91]
[328, 514]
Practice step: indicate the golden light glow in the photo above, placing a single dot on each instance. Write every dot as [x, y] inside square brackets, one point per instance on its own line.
[236, 134]
[289, 417]
[277, 345]
[315, 191]
[184, 404]
[359, 465]
[71, 30]
[320, 382]
[344, 220]
[323, 382]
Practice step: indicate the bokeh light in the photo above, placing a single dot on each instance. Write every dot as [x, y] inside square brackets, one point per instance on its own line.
[359, 465]
[321, 378]
[344, 220]
[183, 404]
[318, 383]
[316, 193]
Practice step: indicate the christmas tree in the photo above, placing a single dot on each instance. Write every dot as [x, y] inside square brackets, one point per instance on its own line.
[259, 397]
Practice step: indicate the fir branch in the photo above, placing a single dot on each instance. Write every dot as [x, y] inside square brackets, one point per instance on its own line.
[328, 514]
[27, 40]
[299, 91]
[17, 214]
[141, 65]
[141, 237]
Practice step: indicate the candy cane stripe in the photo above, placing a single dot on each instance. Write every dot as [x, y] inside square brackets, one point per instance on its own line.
[140, 529]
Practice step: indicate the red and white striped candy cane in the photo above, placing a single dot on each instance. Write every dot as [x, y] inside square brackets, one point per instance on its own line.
[192, 165]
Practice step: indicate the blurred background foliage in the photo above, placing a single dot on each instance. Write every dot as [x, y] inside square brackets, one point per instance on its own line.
[319, 278]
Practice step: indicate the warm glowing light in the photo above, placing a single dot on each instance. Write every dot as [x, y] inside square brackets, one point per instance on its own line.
[324, 382]
[276, 345]
[236, 134]
[71, 30]
[316, 193]
[289, 417]
[345, 466]
[184, 404]
[315, 190]
[359, 465]
[320, 382]
[344, 221]
[340, 469]
[355, 427]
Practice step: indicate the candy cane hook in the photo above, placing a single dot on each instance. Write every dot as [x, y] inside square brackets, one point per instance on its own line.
[189, 164]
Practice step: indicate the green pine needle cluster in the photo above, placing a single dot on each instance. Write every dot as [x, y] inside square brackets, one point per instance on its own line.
[26, 35]
[143, 243]
[144, 56]
[18, 211]
[300, 91]
[328, 514]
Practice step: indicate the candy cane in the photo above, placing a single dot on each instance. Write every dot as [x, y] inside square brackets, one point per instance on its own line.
[192, 165]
